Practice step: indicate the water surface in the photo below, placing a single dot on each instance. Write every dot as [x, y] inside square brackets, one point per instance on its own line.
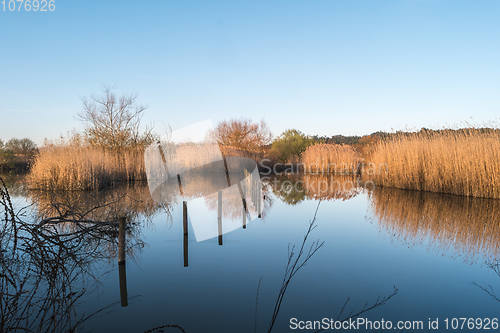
[433, 248]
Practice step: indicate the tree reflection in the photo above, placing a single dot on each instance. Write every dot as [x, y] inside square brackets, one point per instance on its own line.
[293, 189]
[49, 263]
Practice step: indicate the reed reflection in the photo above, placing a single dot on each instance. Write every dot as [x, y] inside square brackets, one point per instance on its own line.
[470, 227]
[221, 195]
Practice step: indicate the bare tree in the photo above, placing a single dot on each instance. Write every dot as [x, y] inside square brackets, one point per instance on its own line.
[114, 121]
[241, 133]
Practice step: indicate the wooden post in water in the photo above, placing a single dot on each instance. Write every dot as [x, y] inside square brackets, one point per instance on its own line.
[185, 227]
[122, 226]
[219, 216]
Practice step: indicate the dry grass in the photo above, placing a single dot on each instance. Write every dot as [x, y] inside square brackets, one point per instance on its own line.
[470, 227]
[330, 158]
[73, 165]
[70, 164]
[465, 162]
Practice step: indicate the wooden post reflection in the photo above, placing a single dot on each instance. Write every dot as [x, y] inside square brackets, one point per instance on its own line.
[122, 224]
[244, 217]
[180, 185]
[244, 203]
[219, 217]
[258, 185]
[185, 227]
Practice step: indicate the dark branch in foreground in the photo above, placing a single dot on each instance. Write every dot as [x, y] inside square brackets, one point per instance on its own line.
[294, 264]
[489, 290]
[46, 268]
[365, 308]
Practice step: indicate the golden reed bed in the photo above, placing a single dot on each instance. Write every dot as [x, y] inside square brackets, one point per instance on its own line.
[73, 165]
[328, 158]
[465, 162]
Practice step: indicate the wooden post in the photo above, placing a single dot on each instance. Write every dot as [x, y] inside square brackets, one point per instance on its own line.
[121, 260]
[219, 217]
[185, 227]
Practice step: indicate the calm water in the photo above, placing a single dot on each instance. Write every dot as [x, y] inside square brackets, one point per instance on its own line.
[431, 247]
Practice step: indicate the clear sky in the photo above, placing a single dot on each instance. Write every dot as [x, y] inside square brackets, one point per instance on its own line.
[322, 67]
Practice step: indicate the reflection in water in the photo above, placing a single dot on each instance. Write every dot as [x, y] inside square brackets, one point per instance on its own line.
[470, 227]
[47, 267]
[48, 263]
[231, 187]
[79, 230]
[293, 189]
[67, 212]
[14, 181]
[129, 199]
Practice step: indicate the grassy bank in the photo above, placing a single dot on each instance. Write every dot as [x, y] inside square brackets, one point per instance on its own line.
[464, 162]
[76, 166]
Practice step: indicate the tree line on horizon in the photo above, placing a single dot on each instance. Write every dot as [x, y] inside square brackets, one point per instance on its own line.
[113, 126]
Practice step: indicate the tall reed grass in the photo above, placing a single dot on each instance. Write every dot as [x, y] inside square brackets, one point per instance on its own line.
[73, 165]
[330, 158]
[465, 162]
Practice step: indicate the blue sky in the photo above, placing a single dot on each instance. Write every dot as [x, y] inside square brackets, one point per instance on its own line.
[323, 67]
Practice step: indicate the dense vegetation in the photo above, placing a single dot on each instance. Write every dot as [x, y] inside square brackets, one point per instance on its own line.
[16, 153]
[462, 161]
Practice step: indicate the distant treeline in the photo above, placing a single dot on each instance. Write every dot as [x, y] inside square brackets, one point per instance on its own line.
[340, 139]
[17, 153]
[381, 135]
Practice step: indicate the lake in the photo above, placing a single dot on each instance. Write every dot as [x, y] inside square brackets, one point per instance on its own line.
[435, 250]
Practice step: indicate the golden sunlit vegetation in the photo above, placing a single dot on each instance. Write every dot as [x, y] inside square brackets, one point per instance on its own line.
[73, 164]
[111, 148]
[468, 226]
[462, 162]
[331, 158]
